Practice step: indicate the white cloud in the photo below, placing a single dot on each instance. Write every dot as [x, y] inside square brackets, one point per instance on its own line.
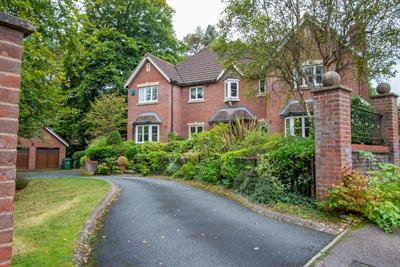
[192, 13]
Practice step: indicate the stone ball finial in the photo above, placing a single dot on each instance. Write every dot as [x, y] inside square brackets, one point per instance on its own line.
[383, 88]
[331, 78]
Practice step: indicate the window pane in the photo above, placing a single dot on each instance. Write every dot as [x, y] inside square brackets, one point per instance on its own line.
[192, 129]
[226, 90]
[200, 93]
[234, 89]
[262, 86]
[192, 93]
[154, 93]
[199, 129]
[154, 133]
[148, 93]
[297, 123]
[139, 130]
[141, 95]
[145, 133]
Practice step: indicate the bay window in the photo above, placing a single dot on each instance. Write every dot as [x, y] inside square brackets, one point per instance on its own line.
[231, 90]
[298, 126]
[147, 133]
[148, 94]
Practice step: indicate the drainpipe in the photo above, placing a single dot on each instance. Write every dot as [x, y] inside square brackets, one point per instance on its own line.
[172, 107]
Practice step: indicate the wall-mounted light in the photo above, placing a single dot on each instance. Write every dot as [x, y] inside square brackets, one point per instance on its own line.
[133, 91]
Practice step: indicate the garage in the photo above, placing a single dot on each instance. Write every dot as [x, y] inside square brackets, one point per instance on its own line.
[22, 158]
[45, 151]
[47, 158]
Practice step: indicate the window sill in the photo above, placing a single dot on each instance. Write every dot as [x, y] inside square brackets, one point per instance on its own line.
[147, 103]
[234, 99]
[196, 101]
[261, 95]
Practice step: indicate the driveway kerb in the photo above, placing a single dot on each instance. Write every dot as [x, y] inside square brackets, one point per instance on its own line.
[83, 248]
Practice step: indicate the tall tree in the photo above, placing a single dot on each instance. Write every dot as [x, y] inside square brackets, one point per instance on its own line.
[42, 71]
[277, 37]
[107, 114]
[196, 41]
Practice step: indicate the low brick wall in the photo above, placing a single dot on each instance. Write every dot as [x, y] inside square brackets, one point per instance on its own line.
[381, 153]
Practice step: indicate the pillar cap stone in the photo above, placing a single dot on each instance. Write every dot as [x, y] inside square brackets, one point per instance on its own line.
[16, 23]
[331, 78]
[383, 88]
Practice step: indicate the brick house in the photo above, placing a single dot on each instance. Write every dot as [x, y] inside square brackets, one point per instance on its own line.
[193, 95]
[46, 152]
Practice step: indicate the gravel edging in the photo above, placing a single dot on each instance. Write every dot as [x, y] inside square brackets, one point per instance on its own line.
[82, 250]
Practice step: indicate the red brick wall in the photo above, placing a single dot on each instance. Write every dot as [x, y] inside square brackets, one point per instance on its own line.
[162, 108]
[386, 105]
[10, 64]
[332, 122]
[49, 141]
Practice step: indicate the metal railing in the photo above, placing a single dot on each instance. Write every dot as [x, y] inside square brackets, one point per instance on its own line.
[366, 127]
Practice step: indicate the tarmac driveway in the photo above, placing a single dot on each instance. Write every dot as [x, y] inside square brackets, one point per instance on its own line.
[163, 223]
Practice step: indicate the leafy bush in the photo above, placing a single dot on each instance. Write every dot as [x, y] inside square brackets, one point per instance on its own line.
[151, 163]
[77, 158]
[231, 166]
[209, 170]
[114, 138]
[173, 136]
[377, 197]
[109, 166]
[288, 161]
[131, 149]
[21, 183]
[268, 190]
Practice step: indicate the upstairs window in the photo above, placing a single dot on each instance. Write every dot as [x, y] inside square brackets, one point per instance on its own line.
[298, 126]
[196, 93]
[232, 90]
[262, 86]
[312, 75]
[148, 67]
[148, 94]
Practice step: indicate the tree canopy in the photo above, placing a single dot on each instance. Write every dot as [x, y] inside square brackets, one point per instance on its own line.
[196, 41]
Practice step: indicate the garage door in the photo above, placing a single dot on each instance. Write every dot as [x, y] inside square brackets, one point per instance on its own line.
[47, 158]
[22, 158]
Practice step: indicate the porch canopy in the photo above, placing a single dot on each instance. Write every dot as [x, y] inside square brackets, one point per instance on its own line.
[231, 114]
[147, 118]
[295, 108]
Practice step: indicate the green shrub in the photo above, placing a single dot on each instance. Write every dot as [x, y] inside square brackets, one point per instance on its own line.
[231, 166]
[211, 142]
[21, 183]
[114, 138]
[131, 149]
[288, 161]
[246, 182]
[77, 158]
[151, 163]
[109, 166]
[267, 190]
[175, 163]
[173, 136]
[189, 170]
[101, 153]
[376, 197]
[209, 170]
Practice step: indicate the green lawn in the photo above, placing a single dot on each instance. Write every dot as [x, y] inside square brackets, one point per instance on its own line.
[48, 217]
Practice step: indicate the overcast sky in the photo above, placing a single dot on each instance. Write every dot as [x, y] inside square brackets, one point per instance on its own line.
[192, 13]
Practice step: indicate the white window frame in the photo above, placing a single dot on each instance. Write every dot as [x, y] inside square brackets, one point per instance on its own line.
[150, 133]
[143, 93]
[259, 87]
[303, 82]
[201, 88]
[291, 120]
[148, 66]
[197, 126]
[228, 90]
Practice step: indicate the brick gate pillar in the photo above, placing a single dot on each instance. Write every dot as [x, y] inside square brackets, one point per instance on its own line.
[385, 103]
[12, 31]
[332, 122]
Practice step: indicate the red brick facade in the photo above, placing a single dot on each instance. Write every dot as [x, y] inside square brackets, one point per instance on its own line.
[12, 31]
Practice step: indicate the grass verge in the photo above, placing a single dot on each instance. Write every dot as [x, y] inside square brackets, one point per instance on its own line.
[48, 217]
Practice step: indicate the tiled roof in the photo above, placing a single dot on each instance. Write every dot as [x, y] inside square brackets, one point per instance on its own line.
[166, 67]
[294, 107]
[147, 118]
[231, 114]
[199, 68]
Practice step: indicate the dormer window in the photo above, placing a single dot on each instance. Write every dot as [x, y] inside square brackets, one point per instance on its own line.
[231, 90]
